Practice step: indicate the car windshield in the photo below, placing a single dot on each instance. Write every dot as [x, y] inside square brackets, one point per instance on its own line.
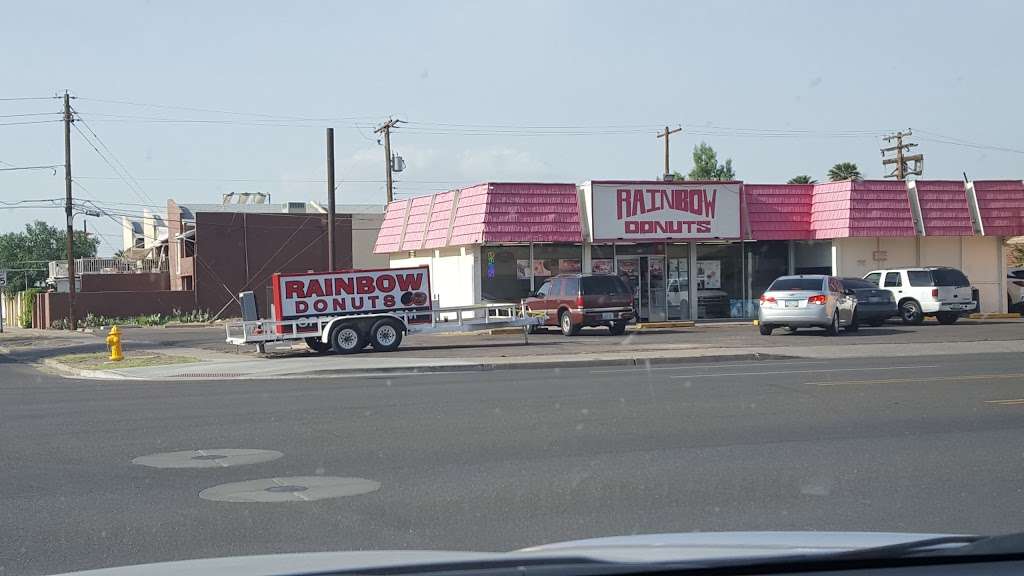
[857, 284]
[390, 279]
[796, 284]
[603, 285]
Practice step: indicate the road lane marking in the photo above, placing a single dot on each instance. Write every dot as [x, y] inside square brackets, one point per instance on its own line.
[1011, 402]
[708, 365]
[805, 371]
[923, 379]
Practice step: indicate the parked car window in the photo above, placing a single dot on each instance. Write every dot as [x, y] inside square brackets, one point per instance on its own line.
[920, 278]
[859, 284]
[893, 279]
[949, 277]
[796, 284]
[873, 278]
[1017, 274]
[604, 285]
[547, 289]
[570, 286]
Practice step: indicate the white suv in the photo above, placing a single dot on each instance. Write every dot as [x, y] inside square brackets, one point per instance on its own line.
[932, 291]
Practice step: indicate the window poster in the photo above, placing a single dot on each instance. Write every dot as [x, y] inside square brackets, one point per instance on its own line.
[601, 265]
[522, 269]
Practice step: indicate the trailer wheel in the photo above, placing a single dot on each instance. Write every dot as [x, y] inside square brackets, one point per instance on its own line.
[386, 335]
[317, 345]
[347, 338]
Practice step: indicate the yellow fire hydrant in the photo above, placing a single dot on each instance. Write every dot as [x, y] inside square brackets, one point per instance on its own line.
[114, 341]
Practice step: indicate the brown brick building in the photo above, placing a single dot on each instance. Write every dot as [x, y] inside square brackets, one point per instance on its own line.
[217, 251]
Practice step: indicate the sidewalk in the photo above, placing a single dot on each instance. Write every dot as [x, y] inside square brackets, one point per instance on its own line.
[482, 352]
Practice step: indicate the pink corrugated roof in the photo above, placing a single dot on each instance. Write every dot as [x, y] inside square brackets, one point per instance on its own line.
[389, 239]
[416, 223]
[1001, 204]
[779, 211]
[440, 220]
[944, 208]
[540, 212]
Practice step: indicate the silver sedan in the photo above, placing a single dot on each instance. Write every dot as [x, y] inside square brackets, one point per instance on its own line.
[807, 301]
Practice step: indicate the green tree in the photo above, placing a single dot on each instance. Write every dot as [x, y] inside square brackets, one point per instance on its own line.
[844, 171]
[36, 246]
[802, 179]
[706, 166]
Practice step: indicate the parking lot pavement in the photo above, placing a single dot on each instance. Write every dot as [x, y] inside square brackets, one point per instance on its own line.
[596, 340]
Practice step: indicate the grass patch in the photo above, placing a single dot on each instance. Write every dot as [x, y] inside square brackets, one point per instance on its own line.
[101, 360]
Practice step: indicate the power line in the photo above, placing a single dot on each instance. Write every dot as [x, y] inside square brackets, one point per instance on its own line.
[23, 123]
[43, 167]
[29, 98]
[229, 112]
[114, 156]
[109, 164]
[23, 115]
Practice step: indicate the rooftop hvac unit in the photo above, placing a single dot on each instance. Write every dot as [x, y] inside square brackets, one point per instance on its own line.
[295, 207]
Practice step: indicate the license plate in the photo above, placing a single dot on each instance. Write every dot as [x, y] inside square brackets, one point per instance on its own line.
[608, 316]
[792, 303]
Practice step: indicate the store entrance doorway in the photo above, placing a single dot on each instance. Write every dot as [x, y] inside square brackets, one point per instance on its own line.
[646, 276]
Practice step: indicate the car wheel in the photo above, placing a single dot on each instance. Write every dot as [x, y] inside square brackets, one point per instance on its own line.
[617, 328]
[833, 328]
[347, 338]
[910, 312]
[565, 323]
[947, 318]
[766, 329]
[386, 335]
[317, 345]
[854, 324]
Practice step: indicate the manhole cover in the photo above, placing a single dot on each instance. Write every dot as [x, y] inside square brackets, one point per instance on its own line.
[292, 489]
[212, 458]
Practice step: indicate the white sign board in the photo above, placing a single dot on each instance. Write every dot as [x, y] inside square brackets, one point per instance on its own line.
[664, 211]
[351, 292]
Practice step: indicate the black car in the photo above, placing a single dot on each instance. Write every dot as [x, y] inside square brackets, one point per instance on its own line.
[874, 305]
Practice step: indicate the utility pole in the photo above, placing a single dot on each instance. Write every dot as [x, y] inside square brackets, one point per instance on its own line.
[665, 135]
[900, 171]
[72, 324]
[332, 262]
[385, 129]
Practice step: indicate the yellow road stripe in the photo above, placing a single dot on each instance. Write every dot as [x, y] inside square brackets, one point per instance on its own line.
[923, 379]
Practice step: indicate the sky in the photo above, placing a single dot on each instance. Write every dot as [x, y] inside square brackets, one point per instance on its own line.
[191, 100]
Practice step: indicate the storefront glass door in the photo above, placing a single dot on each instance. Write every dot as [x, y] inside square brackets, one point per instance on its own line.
[646, 276]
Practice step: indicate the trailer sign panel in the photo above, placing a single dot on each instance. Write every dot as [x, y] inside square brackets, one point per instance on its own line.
[352, 292]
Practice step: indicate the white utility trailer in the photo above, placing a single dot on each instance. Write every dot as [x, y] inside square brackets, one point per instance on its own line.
[348, 310]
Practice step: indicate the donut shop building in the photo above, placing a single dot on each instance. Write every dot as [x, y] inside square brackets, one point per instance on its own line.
[699, 250]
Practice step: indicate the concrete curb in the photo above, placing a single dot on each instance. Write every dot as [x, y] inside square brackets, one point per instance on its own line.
[89, 374]
[531, 365]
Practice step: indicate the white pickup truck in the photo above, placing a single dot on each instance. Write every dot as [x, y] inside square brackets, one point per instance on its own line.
[938, 291]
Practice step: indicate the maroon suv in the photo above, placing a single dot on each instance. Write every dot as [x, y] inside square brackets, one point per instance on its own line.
[573, 301]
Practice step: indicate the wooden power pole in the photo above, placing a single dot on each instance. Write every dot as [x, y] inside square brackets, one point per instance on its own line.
[72, 324]
[665, 135]
[385, 129]
[900, 171]
[332, 262]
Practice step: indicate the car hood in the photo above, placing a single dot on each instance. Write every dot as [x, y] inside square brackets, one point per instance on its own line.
[675, 547]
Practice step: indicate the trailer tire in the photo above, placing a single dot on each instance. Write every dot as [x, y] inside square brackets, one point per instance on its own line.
[347, 338]
[317, 345]
[386, 335]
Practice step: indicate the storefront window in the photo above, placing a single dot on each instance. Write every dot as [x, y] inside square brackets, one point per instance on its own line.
[720, 291]
[766, 261]
[504, 273]
[553, 259]
[602, 259]
[812, 257]
[677, 281]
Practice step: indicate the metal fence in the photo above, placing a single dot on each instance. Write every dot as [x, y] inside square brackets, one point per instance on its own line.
[59, 268]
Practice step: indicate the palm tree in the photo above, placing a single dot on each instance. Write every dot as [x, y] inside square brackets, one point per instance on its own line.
[844, 171]
[802, 179]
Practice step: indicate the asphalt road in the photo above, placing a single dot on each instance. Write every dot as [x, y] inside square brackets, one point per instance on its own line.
[502, 460]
